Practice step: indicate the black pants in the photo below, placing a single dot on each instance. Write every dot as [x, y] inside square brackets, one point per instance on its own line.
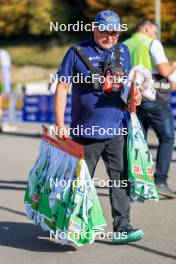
[159, 115]
[113, 153]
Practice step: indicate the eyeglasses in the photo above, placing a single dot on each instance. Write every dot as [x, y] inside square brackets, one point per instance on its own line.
[113, 34]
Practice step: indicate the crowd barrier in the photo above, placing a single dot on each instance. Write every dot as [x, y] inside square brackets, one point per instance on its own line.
[39, 108]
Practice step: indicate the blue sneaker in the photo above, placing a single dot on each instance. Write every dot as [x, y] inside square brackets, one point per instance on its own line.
[128, 234]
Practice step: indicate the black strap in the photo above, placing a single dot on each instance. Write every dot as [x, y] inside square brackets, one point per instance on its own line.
[117, 54]
[81, 54]
[93, 69]
[159, 78]
[151, 44]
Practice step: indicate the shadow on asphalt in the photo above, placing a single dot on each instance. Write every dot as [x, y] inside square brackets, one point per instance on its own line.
[11, 185]
[143, 248]
[13, 182]
[12, 188]
[17, 134]
[11, 211]
[38, 135]
[29, 237]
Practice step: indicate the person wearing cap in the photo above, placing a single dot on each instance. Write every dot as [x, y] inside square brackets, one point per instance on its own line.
[94, 109]
[146, 50]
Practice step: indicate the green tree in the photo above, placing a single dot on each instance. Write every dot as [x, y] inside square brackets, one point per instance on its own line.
[131, 10]
[40, 15]
[13, 17]
[18, 17]
[168, 15]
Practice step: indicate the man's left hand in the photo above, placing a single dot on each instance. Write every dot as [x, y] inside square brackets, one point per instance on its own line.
[137, 100]
[138, 97]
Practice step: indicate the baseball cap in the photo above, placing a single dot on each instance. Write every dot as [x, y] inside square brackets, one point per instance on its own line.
[108, 20]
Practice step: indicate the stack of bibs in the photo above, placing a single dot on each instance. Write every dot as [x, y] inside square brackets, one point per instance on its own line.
[140, 163]
[60, 195]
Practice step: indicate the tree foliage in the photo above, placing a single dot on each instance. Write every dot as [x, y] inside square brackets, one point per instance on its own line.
[21, 17]
[131, 10]
[40, 14]
[168, 15]
[13, 16]
[31, 16]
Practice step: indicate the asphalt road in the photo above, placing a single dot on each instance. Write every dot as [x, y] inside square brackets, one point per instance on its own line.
[21, 241]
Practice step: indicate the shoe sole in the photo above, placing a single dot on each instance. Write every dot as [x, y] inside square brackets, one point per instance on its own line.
[139, 236]
[167, 195]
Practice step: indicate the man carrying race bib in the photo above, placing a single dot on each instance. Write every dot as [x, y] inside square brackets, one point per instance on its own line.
[99, 111]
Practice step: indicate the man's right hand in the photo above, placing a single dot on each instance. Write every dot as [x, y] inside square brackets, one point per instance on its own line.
[61, 132]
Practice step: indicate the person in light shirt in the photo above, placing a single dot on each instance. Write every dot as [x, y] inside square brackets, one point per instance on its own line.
[146, 50]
